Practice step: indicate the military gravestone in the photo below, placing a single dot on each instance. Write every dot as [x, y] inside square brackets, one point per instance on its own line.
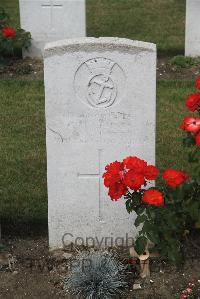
[192, 35]
[100, 107]
[51, 20]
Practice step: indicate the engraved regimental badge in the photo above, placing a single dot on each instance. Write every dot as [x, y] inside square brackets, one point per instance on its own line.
[99, 82]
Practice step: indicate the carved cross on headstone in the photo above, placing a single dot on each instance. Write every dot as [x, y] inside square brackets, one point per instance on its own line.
[97, 176]
[52, 6]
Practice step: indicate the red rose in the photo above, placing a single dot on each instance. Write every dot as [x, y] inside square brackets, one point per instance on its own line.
[114, 173]
[197, 139]
[191, 124]
[133, 180]
[151, 172]
[193, 102]
[114, 167]
[197, 83]
[135, 164]
[116, 191]
[110, 179]
[174, 177]
[9, 32]
[153, 197]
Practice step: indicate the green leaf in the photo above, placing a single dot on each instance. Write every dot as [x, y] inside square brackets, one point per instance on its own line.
[175, 255]
[193, 157]
[140, 244]
[140, 219]
[153, 237]
[136, 197]
[140, 209]
[129, 206]
[189, 141]
[194, 211]
[148, 226]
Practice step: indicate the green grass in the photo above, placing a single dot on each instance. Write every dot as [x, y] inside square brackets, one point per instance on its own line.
[12, 8]
[158, 21]
[181, 61]
[171, 110]
[23, 190]
[22, 151]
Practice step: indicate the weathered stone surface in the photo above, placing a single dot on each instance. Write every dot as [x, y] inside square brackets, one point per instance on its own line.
[100, 107]
[51, 20]
[192, 34]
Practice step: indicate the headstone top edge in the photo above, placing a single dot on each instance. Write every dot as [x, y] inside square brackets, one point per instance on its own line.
[48, 0]
[90, 43]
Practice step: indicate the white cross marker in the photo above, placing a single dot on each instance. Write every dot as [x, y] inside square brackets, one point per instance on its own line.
[52, 7]
[97, 176]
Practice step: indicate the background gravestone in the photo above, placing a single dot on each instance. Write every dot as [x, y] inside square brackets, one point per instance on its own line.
[51, 20]
[192, 36]
[100, 107]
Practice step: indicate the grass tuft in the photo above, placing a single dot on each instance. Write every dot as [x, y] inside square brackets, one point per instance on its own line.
[96, 275]
[181, 61]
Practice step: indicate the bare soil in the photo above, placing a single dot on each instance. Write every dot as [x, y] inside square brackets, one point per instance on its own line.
[23, 69]
[167, 71]
[38, 274]
[32, 69]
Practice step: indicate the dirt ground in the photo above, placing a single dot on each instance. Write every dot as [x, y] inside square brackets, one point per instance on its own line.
[32, 69]
[38, 274]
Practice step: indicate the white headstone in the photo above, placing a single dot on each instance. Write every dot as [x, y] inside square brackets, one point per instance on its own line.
[100, 107]
[192, 35]
[51, 20]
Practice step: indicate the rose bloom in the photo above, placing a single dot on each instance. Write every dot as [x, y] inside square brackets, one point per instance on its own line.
[191, 124]
[134, 163]
[151, 172]
[114, 167]
[153, 197]
[9, 32]
[189, 290]
[117, 190]
[197, 139]
[174, 177]
[113, 174]
[197, 82]
[133, 180]
[193, 102]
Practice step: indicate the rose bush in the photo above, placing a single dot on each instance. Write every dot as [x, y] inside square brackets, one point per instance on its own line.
[157, 209]
[191, 124]
[9, 32]
[166, 213]
[11, 40]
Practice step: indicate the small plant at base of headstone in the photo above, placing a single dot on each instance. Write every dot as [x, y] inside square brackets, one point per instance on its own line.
[11, 40]
[96, 275]
[181, 61]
